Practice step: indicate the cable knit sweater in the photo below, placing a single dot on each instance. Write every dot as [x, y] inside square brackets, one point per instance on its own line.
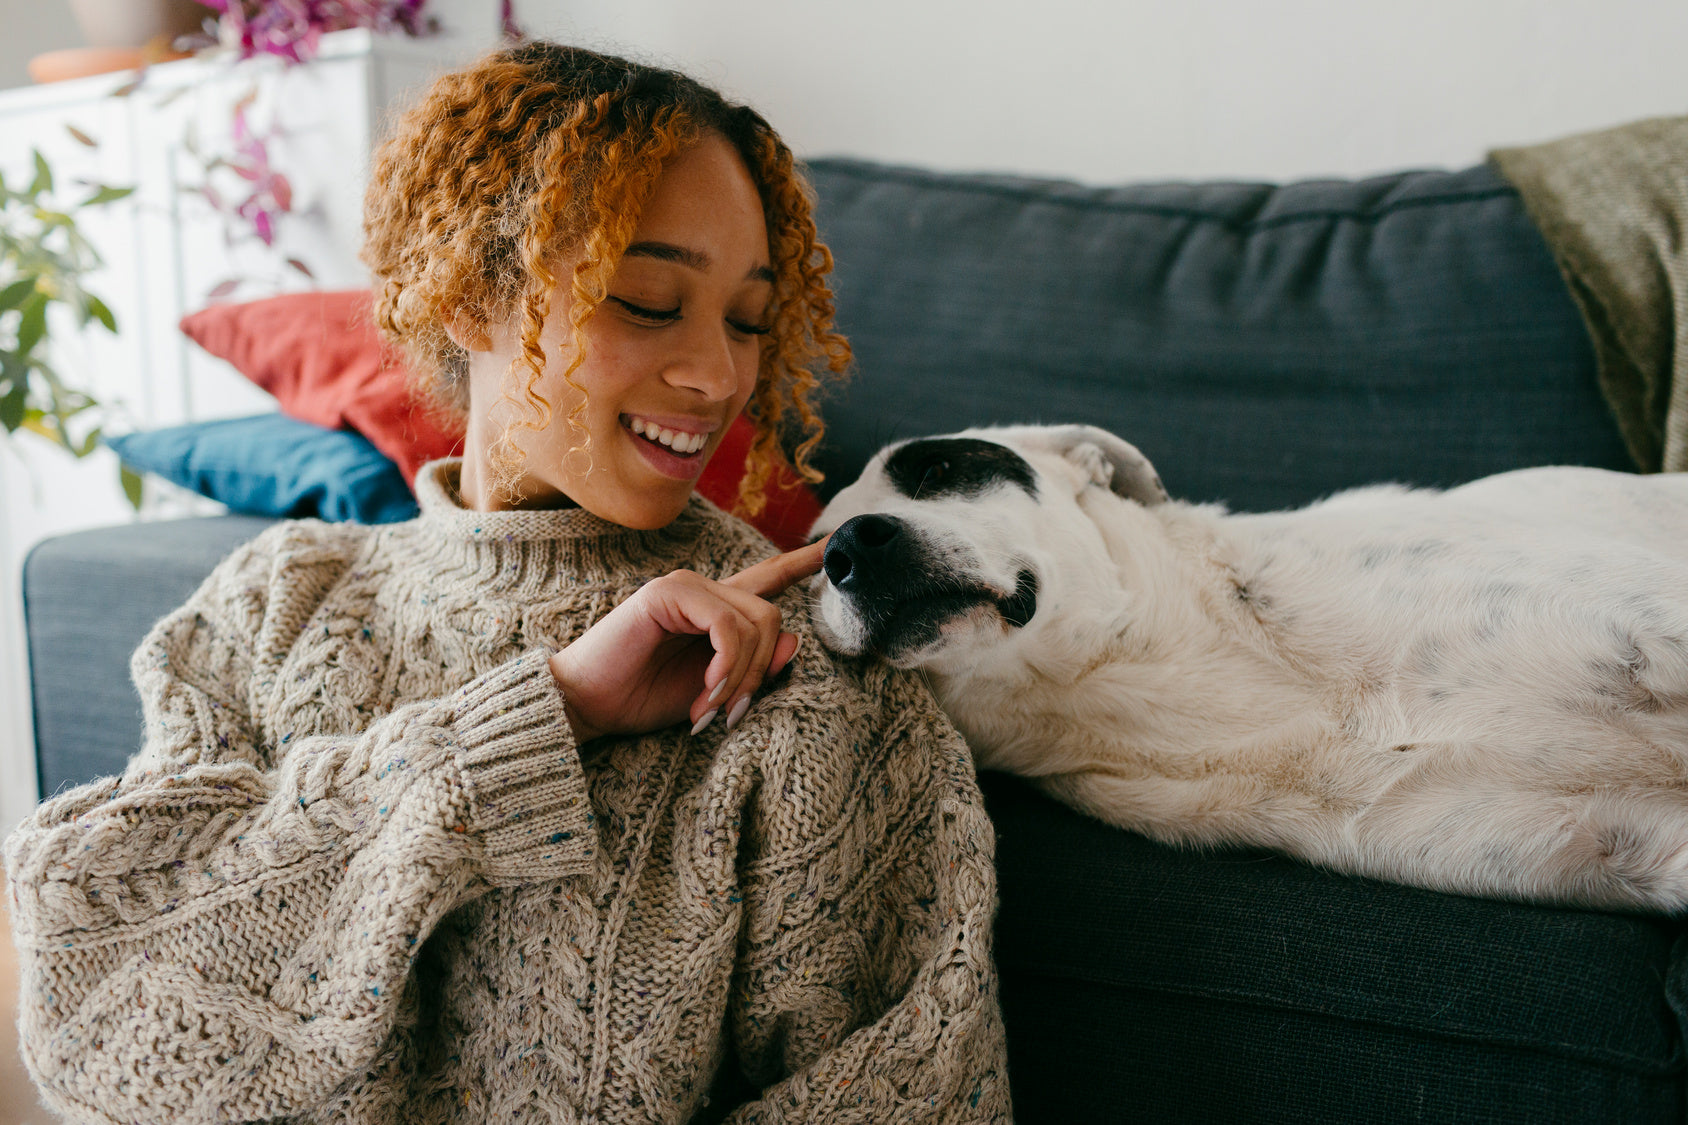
[360, 871]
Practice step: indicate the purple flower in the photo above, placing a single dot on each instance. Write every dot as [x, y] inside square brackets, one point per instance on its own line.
[293, 29]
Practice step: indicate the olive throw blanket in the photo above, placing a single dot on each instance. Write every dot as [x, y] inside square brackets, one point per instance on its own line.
[1613, 206]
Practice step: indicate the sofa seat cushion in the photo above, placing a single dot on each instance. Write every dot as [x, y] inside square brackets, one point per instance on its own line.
[1263, 345]
[1147, 983]
[89, 598]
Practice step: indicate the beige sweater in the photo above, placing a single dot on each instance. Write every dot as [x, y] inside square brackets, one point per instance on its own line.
[361, 872]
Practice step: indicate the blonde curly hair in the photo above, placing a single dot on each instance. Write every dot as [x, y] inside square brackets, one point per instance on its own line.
[542, 151]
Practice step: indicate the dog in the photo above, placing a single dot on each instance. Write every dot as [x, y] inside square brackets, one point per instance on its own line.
[1482, 690]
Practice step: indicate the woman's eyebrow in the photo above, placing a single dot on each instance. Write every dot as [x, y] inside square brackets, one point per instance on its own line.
[688, 257]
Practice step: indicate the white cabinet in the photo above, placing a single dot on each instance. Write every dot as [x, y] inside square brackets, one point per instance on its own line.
[165, 251]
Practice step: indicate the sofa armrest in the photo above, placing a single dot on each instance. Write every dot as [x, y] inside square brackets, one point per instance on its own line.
[89, 598]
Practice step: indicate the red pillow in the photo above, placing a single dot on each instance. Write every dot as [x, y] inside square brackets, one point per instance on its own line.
[321, 357]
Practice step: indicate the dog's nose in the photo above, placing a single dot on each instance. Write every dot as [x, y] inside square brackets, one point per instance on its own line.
[857, 545]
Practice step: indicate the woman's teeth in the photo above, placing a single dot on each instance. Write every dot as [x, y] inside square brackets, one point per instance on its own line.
[676, 440]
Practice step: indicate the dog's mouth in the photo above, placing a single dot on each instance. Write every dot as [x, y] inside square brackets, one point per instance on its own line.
[905, 625]
[894, 590]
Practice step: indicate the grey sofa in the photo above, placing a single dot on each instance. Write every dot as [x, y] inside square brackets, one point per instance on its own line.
[1264, 346]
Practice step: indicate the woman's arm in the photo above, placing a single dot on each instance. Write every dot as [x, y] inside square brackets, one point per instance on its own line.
[226, 932]
[866, 989]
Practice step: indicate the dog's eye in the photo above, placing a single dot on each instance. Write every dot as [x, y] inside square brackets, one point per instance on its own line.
[934, 474]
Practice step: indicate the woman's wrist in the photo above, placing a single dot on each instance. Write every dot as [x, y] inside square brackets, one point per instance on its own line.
[584, 731]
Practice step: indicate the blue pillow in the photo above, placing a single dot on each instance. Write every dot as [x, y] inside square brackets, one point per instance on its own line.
[273, 465]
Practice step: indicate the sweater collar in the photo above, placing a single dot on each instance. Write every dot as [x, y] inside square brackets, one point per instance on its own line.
[539, 546]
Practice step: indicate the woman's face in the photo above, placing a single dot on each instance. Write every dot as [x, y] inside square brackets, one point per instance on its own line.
[671, 355]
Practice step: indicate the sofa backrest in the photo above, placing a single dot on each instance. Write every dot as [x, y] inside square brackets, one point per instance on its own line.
[1263, 345]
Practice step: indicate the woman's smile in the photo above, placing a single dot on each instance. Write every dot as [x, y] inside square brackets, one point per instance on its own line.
[673, 447]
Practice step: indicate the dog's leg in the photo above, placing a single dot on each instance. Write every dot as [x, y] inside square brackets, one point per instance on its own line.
[1620, 846]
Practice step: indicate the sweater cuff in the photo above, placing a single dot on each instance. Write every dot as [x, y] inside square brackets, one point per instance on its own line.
[527, 790]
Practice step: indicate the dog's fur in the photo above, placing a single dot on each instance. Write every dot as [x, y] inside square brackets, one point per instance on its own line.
[1483, 690]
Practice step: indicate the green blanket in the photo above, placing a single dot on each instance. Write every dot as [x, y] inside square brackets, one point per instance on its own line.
[1613, 206]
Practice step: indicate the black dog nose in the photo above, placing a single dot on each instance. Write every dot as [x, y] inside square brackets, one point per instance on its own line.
[857, 545]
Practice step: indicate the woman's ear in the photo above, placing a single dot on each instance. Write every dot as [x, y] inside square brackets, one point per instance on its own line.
[467, 332]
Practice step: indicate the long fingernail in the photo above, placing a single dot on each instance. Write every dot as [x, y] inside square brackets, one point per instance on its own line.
[738, 711]
[704, 719]
[715, 695]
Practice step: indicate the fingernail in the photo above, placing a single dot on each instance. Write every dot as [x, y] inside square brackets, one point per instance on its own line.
[715, 695]
[738, 711]
[703, 720]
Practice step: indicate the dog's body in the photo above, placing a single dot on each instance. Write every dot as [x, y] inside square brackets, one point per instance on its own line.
[1483, 690]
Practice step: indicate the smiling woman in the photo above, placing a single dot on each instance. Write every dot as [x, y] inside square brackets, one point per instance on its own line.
[544, 806]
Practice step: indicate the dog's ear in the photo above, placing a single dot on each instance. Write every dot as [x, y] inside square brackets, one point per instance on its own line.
[1111, 462]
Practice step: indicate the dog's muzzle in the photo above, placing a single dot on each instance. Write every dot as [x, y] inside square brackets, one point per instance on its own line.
[902, 589]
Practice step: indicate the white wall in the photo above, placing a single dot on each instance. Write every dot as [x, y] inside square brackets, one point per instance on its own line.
[1112, 90]
[28, 27]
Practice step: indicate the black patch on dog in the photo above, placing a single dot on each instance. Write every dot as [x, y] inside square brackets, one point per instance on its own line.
[966, 467]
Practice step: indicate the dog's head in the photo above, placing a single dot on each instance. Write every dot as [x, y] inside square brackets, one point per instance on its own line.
[951, 550]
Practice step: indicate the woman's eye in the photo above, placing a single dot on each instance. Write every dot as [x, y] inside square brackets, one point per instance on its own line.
[749, 329]
[655, 316]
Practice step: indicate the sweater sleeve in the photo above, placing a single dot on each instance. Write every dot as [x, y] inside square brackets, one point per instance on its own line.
[226, 932]
[866, 990]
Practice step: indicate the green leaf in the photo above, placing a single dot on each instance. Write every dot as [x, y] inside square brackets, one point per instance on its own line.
[100, 312]
[45, 425]
[89, 443]
[131, 485]
[33, 326]
[12, 405]
[43, 175]
[13, 295]
[108, 194]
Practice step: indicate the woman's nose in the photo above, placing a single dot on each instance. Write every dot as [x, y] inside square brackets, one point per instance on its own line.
[706, 364]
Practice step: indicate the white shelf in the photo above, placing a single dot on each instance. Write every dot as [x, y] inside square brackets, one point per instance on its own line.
[165, 249]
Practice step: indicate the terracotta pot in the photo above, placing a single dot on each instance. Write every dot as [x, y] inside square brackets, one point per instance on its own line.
[79, 62]
[135, 23]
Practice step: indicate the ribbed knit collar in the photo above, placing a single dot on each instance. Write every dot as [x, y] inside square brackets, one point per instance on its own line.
[535, 548]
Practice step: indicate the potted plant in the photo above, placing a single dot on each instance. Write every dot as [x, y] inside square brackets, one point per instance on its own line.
[44, 261]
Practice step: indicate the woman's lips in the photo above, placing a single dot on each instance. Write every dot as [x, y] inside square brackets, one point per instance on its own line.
[667, 459]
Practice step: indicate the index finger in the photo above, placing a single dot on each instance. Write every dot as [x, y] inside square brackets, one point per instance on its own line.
[770, 576]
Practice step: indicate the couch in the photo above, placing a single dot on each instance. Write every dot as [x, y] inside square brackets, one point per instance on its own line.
[1264, 345]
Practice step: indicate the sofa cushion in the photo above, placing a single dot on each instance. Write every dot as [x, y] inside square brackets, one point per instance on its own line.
[89, 597]
[1262, 345]
[1148, 983]
[321, 357]
[273, 465]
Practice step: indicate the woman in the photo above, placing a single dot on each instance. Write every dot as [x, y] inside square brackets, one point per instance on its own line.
[543, 806]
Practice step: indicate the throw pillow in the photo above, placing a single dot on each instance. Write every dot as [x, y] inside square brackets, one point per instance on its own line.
[321, 357]
[273, 465]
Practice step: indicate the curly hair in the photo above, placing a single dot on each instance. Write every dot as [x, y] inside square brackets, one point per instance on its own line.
[540, 151]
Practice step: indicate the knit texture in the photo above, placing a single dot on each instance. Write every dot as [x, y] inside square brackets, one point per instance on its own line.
[360, 871]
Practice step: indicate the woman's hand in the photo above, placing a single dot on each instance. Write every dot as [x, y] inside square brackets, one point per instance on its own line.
[682, 648]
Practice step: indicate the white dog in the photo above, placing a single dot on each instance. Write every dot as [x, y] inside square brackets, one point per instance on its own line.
[1483, 690]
